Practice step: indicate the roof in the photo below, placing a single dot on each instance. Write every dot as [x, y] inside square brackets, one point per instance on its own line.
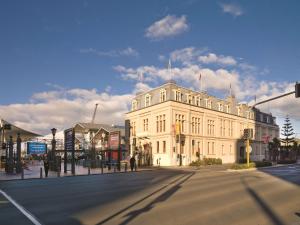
[95, 126]
[25, 134]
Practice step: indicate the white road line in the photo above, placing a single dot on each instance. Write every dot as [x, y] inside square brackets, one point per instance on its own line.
[21, 208]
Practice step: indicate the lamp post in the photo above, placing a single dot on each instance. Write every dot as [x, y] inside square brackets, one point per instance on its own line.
[19, 166]
[53, 156]
[102, 145]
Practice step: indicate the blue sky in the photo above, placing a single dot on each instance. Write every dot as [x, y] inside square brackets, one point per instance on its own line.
[51, 48]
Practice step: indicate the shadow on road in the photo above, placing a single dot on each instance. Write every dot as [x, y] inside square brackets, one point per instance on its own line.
[261, 203]
[163, 197]
[289, 173]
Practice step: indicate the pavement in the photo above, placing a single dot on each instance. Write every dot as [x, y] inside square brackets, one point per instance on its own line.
[174, 196]
[32, 171]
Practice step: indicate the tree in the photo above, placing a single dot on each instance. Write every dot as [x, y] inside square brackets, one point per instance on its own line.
[287, 132]
[274, 147]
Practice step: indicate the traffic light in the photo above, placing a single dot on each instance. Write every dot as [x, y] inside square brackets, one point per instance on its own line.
[248, 133]
[297, 90]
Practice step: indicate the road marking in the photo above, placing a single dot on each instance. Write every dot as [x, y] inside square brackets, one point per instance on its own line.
[21, 208]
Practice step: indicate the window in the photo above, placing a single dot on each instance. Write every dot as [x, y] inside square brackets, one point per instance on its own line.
[189, 98]
[238, 111]
[157, 146]
[213, 147]
[230, 149]
[134, 105]
[179, 119]
[210, 127]
[164, 123]
[145, 122]
[163, 95]
[228, 109]
[161, 123]
[223, 152]
[221, 107]
[209, 103]
[248, 115]
[133, 129]
[147, 100]
[164, 146]
[197, 101]
[178, 95]
[222, 127]
[208, 150]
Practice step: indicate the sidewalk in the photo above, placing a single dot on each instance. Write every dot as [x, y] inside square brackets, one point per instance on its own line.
[33, 172]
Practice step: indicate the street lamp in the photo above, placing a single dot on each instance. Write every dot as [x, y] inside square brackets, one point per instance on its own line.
[53, 158]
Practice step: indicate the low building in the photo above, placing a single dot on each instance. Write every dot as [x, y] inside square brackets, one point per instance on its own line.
[210, 127]
[88, 134]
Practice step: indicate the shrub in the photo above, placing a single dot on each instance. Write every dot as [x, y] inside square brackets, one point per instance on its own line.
[262, 164]
[239, 166]
[207, 161]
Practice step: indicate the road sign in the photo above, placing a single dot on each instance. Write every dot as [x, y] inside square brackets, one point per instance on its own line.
[266, 139]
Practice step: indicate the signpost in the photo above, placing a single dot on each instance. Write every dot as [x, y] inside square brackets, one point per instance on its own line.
[115, 144]
[36, 148]
[69, 147]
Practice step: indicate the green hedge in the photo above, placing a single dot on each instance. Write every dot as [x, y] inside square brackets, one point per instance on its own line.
[238, 166]
[207, 161]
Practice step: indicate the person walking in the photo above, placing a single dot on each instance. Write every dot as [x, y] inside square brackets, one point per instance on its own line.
[46, 167]
[132, 163]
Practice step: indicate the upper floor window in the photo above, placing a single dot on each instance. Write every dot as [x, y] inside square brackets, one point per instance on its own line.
[208, 103]
[178, 95]
[134, 105]
[221, 107]
[239, 111]
[197, 101]
[227, 108]
[163, 95]
[248, 115]
[189, 98]
[147, 100]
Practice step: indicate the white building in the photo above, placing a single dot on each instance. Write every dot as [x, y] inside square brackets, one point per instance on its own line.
[211, 127]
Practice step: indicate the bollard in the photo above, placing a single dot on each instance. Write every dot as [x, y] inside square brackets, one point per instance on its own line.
[22, 173]
[114, 168]
[41, 173]
[89, 171]
[125, 167]
[58, 172]
[101, 168]
[135, 167]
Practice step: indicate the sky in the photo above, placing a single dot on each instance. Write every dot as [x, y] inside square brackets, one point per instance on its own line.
[58, 58]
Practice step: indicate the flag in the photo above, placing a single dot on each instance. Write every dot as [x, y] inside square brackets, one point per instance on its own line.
[141, 77]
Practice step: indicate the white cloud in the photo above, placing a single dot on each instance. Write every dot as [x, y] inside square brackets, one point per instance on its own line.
[112, 53]
[213, 58]
[186, 55]
[62, 109]
[232, 8]
[167, 27]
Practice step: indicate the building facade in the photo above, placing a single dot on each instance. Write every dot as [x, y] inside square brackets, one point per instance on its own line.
[210, 127]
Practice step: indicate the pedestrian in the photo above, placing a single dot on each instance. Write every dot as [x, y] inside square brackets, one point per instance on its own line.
[132, 163]
[46, 167]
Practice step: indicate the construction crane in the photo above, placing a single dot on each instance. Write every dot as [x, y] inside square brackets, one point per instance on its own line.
[94, 115]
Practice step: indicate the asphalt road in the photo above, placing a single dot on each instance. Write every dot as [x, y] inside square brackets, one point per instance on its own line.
[165, 196]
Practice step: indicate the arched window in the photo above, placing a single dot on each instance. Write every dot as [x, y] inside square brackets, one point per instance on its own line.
[163, 95]
[147, 100]
[134, 105]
